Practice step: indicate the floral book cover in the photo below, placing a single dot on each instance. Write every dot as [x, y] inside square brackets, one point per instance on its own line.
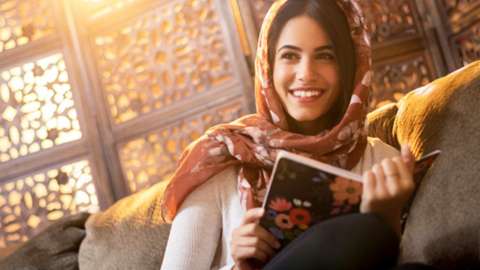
[303, 192]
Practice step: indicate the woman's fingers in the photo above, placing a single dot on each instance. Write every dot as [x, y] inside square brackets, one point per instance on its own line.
[380, 187]
[387, 185]
[257, 243]
[247, 230]
[369, 182]
[406, 177]
[248, 252]
[393, 186]
[250, 240]
[253, 215]
[258, 231]
[250, 227]
[408, 157]
[369, 186]
[392, 177]
[266, 236]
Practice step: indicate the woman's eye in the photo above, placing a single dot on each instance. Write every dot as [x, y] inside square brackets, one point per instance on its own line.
[326, 56]
[289, 56]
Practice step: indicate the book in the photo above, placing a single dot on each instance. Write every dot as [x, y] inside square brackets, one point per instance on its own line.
[303, 192]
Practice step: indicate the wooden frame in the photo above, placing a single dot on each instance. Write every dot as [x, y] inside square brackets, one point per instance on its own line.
[114, 135]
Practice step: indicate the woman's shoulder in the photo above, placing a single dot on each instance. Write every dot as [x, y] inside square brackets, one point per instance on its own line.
[221, 182]
[214, 191]
[225, 176]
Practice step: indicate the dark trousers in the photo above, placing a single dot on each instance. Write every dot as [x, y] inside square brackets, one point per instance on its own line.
[350, 242]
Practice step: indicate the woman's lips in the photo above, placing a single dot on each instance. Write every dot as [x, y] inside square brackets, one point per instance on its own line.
[306, 95]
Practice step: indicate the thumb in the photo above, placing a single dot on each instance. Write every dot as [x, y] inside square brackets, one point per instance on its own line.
[408, 157]
[253, 215]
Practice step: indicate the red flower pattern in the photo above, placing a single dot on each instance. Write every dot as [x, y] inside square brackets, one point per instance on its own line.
[280, 204]
[300, 216]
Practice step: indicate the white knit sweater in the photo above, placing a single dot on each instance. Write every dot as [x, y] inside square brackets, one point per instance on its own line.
[201, 232]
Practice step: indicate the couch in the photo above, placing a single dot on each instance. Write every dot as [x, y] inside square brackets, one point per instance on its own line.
[443, 227]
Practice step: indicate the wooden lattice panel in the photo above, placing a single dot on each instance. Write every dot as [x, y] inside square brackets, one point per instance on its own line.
[153, 158]
[458, 9]
[22, 21]
[36, 108]
[390, 19]
[172, 53]
[392, 81]
[260, 8]
[468, 43]
[30, 203]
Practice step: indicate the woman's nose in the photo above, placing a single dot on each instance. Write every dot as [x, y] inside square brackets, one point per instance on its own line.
[307, 71]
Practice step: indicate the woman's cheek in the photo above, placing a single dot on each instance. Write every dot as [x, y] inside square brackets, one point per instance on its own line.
[283, 76]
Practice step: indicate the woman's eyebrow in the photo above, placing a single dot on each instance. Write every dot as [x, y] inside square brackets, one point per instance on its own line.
[324, 48]
[295, 48]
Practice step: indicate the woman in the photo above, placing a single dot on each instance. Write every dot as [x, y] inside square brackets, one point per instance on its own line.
[312, 85]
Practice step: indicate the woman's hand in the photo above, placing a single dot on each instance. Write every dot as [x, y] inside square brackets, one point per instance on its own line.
[387, 188]
[251, 241]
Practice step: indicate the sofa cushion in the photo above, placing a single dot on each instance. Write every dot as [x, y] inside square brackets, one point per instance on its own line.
[443, 227]
[54, 248]
[380, 124]
[131, 234]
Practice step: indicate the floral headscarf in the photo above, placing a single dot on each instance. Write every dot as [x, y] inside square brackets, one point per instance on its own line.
[251, 143]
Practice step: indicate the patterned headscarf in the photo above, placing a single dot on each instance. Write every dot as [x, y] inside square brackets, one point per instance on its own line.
[251, 143]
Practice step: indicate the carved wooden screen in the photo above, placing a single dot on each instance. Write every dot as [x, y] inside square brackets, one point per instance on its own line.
[404, 54]
[99, 98]
[50, 161]
[463, 25]
[165, 71]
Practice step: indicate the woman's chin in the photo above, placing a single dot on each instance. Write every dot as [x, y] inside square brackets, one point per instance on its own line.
[305, 117]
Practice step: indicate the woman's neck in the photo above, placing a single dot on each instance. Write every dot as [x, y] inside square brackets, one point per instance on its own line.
[309, 127]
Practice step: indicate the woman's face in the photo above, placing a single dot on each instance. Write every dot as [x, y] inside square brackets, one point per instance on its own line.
[305, 72]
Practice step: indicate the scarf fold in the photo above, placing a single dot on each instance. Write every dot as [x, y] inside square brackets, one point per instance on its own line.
[251, 142]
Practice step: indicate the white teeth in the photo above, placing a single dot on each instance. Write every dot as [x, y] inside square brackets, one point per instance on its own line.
[309, 93]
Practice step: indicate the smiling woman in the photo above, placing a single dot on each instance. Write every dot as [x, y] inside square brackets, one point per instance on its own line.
[312, 82]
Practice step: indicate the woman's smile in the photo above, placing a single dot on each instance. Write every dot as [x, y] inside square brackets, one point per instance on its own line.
[306, 95]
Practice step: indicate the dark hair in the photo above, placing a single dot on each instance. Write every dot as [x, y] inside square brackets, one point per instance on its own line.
[329, 15]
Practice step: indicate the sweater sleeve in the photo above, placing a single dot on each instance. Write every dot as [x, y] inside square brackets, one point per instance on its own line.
[192, 243]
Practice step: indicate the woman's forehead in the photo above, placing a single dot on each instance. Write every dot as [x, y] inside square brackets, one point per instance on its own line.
[303, 32]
